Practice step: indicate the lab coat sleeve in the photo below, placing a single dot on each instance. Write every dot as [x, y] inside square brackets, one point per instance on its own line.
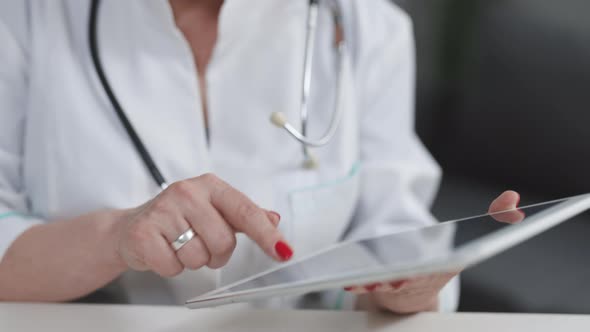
[13, 87]
[399, 178]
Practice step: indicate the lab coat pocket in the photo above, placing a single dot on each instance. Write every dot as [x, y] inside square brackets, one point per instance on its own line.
[322, 213]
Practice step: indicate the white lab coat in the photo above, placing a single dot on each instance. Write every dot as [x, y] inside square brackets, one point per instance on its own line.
[64, 152]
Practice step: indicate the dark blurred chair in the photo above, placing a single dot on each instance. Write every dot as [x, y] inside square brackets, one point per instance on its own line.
[504, 102]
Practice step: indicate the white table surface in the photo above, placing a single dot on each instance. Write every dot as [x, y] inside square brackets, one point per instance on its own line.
[73, 317]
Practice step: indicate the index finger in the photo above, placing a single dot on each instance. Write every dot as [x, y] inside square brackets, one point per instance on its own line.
[247, 217]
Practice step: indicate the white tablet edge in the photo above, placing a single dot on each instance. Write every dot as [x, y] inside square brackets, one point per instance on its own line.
[467, 255]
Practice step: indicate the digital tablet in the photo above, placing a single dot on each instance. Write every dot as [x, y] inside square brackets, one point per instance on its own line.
[445, 247]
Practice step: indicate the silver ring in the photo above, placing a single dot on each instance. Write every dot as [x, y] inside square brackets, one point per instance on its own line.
[183, 239]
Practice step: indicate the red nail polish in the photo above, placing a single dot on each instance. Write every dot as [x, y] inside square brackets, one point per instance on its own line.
[372, 287]
[283, 250]
[348, 289]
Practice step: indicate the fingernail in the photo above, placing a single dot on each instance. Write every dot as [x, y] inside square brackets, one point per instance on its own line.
[348, 289]
[283, 250]
[275, 217]
[518, 201]
[372, 287]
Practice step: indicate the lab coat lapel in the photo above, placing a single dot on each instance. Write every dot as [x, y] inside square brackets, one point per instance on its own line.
[256, 70]
[152, 74]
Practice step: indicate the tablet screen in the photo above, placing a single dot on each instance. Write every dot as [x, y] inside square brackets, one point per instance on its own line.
[400, 253]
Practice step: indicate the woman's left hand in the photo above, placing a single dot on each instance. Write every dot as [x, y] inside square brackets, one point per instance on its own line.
[421, 294]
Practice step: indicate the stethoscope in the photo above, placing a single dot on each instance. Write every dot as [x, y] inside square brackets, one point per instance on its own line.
[277, 118]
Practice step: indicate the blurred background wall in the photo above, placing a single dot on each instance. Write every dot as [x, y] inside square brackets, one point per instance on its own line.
[503, 102]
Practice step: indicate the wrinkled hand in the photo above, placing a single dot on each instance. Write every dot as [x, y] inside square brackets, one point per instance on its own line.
[421, 294]
[214, 210]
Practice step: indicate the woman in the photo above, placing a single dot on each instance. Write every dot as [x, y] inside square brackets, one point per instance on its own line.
[198, 80]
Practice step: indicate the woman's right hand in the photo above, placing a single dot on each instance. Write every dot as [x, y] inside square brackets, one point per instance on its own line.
[214, 210]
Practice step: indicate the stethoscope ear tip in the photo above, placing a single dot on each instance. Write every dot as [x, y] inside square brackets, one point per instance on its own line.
[278, 119]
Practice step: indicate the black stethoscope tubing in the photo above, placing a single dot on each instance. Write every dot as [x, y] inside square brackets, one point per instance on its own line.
[94, 53]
